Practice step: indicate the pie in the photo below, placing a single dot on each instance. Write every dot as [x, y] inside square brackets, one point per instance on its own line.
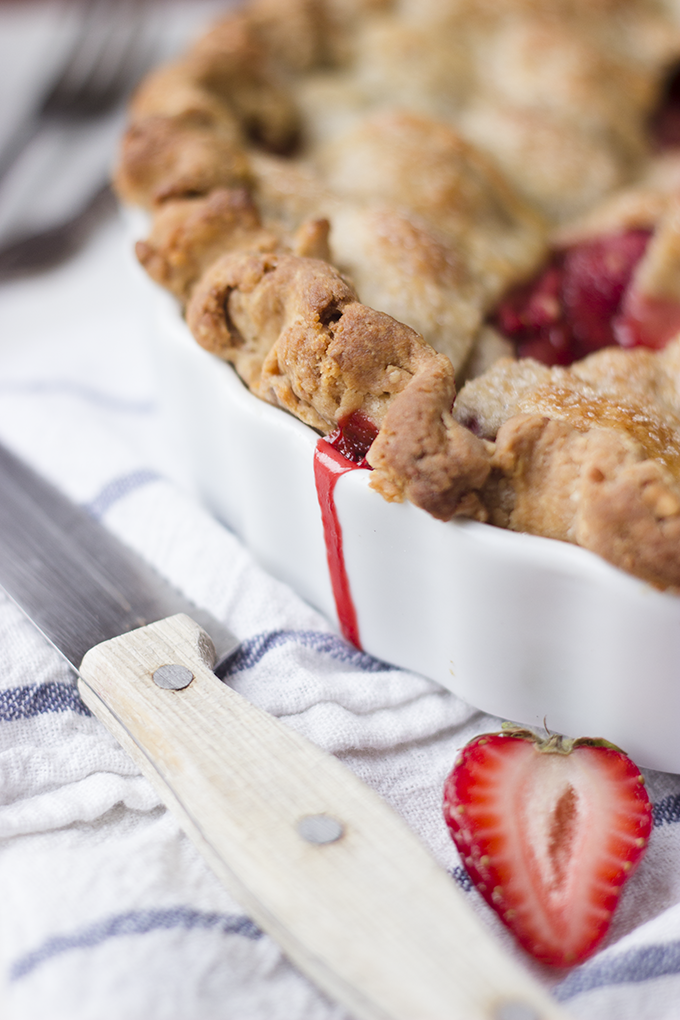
[446, 235]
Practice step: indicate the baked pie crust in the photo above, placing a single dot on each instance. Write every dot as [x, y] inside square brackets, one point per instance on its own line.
[342, 193]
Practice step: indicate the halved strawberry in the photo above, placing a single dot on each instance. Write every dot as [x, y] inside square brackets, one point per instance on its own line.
[549, 831]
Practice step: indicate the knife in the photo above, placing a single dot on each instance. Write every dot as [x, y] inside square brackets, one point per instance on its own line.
[315, 857]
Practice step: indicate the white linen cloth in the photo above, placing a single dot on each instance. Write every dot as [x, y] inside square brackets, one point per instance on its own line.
[106, 910]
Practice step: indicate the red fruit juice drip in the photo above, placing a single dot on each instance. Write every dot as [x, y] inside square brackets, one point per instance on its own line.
[344, 450]
[328, 467]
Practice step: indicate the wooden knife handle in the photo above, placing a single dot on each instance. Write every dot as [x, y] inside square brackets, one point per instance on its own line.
[367, 914]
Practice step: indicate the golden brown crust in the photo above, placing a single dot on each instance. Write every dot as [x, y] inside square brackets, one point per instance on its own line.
[589, 455]
[443, 203]
[638, 206]
[191, 120]
[595, 488]
[571, 168]
[632, 519]
[234, 314]
[300, 338]
[234, 64]
[189, 234]
[164, 158]
[558, 94]
[423, 224]
[310, 240]
[301, 40]
[414, 164]
[403, 266]
[423, 455]
[173, 90]
[309, 34]
[658, 272]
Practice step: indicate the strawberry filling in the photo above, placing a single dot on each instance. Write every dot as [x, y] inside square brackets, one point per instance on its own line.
[579, 303]
[353, 437]
[647, 321]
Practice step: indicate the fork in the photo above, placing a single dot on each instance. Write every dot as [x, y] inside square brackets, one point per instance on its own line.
[112, 49]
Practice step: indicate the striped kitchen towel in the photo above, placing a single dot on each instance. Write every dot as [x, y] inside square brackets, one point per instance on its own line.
[107, 910]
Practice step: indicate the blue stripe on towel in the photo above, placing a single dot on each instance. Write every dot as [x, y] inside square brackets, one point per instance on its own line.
[667, 811]
[253, 650]
[30, 701]
[118, 488]
[134, 922]
[34, 700]
[462, 878]
[631, 967]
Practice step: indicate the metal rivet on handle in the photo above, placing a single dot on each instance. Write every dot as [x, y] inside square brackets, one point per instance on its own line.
[515, 1011]
[320, 829]
[173, 677]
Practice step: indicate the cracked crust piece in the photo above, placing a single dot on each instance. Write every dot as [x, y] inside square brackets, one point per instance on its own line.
[296, 332]
[164, 158]
[191, 121]
[189, 234]
[589, 455]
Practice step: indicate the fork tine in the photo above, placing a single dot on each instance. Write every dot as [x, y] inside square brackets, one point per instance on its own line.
[104, 57]
[45, 219]
[62, 84]
[114, 45]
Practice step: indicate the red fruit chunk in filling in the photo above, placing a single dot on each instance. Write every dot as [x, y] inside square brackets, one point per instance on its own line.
[571, 308]
[531, 315]
[535, 305]
[646, 321]
[595, 276]
[353, 437]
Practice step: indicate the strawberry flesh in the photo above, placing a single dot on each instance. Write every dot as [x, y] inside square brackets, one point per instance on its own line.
[353, 437]
[572, 307]
[646, 321]
[595, 276]
[549, 832]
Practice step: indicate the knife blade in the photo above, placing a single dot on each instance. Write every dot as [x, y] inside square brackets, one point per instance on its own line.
[315, 857]
[77, 583]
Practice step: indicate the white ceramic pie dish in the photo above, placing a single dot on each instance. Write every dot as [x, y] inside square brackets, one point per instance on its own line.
[523, 627]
